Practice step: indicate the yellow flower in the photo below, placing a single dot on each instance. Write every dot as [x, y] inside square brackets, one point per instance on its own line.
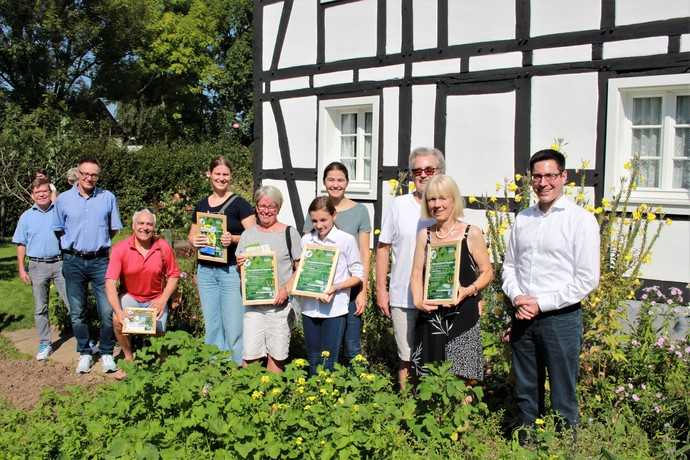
[341, 401]
[307, 406]
[335, 393]
[628, 257]
[355, 408]
[377, 231]
[492, 199]
[301, 381]
[472, 199]
[299, 362]
[393, 184]
[300, 390]
[626, 221]
[323, 391]
[257, 394]
[491, 213]
[325, 354]
[499, 186]
[265, 379]
[646, 259]
[504, 208]
[518, 198]
[329, 380]
[651, 216]
[512, 187]
[605, 203]
[299, 440]
[555, 146]
[518, 177]
[311, 398]
[598, 210]
[669, 221]
[580, 197]
[454, 436]
[412, 187]
[644, 207]
[627, 165]
[590, 208]
[360, 358]
[571, 184]
[539, 421]
[585, 164]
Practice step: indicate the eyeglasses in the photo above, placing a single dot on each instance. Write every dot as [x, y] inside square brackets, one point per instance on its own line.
[550, 177]
[91, 175]
[429, 171]
[267, 208]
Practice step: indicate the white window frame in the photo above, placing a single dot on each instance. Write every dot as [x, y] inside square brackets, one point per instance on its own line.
[621, 92]
[330, 111]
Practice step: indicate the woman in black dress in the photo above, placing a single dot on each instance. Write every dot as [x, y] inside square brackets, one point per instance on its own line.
[450, 332]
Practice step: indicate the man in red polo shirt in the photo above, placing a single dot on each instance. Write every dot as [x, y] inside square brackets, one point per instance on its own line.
[147, 271]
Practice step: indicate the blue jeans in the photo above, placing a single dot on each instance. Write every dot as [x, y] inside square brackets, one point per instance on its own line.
[78, 273]
[221, 304]
[551, 342]
[353, 332]
[323, 334]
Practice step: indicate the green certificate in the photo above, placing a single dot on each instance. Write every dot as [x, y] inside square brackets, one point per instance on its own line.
[259, 278]
[212, 226]
[442, 272]
[316, 270]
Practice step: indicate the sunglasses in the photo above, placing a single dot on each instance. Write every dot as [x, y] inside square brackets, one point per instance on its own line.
[429, 171]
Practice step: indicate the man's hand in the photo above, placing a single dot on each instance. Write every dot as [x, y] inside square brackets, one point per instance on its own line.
[526, 307]
[119, 316]
[383, 302]
[361, 303]
[159, 305]
[24, 276]
[281, 296]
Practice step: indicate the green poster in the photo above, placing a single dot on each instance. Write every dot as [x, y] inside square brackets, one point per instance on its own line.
[259, 278]
[442, 276]
[316, 270]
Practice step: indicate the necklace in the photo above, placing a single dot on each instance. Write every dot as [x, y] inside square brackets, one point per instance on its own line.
[440, 235]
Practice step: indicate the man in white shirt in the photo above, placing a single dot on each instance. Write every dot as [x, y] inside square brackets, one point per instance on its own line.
[551, 264]
[399, 229]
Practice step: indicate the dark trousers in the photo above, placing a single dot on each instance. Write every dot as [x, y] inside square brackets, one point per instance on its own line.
[323, 334]
[551, 342]
[79, 272]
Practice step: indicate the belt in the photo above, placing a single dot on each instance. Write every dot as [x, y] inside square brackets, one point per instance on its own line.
[103, 252]
[47, 260]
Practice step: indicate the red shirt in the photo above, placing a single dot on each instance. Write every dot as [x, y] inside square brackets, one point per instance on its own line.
[142, 277]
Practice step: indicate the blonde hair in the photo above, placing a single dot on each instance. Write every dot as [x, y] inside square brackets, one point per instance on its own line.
[443, 186]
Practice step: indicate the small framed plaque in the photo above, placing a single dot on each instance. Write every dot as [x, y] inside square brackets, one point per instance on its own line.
[315, 271]
[259, 278]
[139, 321]
[441, 278]
[212, 226]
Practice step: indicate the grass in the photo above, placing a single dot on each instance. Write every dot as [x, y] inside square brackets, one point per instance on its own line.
[16, 300]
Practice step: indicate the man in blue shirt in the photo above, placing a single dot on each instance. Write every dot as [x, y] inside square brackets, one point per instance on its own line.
[86, 218]
[35, 240]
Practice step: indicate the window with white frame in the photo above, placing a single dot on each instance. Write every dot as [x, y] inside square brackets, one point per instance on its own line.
[650, 117]
[348, 132]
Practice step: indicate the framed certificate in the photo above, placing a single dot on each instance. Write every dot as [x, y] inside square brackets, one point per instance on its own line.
[139, 321]
[259, 278]
[212, 226]
[315, 271]
[441, 278]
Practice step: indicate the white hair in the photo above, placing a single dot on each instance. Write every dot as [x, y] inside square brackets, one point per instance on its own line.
[144, 211]
[428, 151]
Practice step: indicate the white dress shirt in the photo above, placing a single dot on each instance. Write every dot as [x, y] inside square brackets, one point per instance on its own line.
[349, 264]
[553, 256]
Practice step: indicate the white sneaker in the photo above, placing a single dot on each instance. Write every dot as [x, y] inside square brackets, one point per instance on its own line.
[44, 350]
[84, 366]
[108, 364]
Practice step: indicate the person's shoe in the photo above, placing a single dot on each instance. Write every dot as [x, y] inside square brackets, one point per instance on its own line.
[108, 364]
[84, 366]
[44, 350]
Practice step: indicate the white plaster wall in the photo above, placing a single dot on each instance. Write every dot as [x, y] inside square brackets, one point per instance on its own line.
[423, 106]
[333, 78]
[473, 21]
[300, 38]
[440, 67]
[684, 43]
[391, 118]
[300, 122]
[285, 215]
[566, 106]
[307, 192]
[393, 26]
[350, 30]
[388, 72]
[671, 255]
[270, 150]
[480, 132]
[495, 61]
[271, 20]
[558, 16]
[633, 11]
[287, 84]
[636, 47]
[561, 54]
[424, 23]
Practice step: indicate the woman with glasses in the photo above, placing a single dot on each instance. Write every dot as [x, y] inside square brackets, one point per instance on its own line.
[352, 218]
[450, 332]
[219, 282]
[266, 327]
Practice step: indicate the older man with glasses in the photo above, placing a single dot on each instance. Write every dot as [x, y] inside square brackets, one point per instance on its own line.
[399, 227]
[551, 264]
[86, 218]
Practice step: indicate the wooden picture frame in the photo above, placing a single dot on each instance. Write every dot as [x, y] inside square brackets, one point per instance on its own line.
[212, 226]
[254, 276]
[315, 271]
[439, 287]
[139, 320]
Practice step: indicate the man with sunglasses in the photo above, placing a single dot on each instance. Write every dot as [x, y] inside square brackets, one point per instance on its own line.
[86, 218]
[551, 264]
[399, 227]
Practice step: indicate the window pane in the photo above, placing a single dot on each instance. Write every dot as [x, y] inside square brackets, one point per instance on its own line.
[649, 173]
[367, 146]
[681, 174]
[348, 123]
[351, 166]
[646, 142]
[683, 110]
[646, 111]
[367, 170]
[348, 146]
[682, 142]
[368, 117]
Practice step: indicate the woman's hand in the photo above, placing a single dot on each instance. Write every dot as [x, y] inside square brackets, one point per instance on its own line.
[327, 296]
[361, 303]
[226, 239]
[240, 260]
[199, 240]
[281, 297]
[427, 307]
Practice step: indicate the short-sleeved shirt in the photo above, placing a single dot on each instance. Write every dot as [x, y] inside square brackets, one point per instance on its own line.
[353, 221]
[399, 227]
[254, 236]
[86, 222]
[236, 212]
[142, 277]
[34, 230]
